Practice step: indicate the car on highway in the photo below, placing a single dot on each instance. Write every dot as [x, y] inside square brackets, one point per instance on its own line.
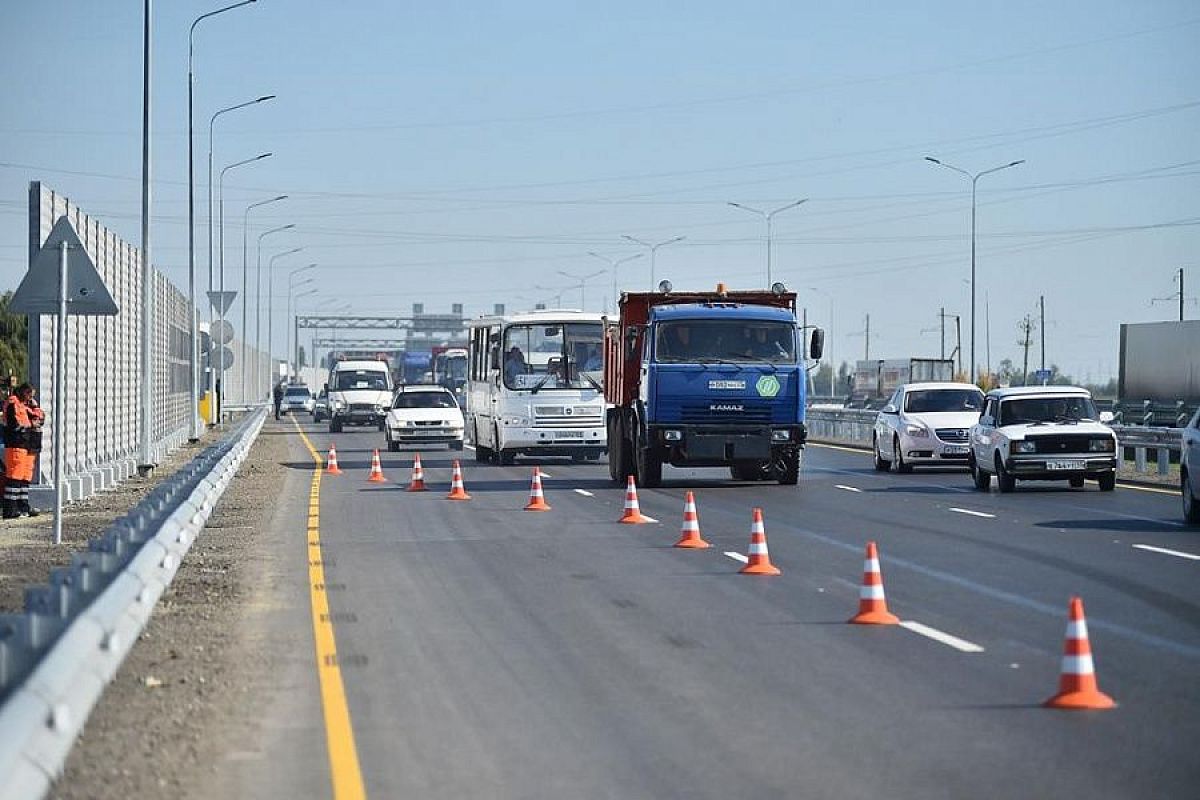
[296, 397]
[424, 414]
[360, 393]
[321, 406]
[1042, 433]
[925, 424]
[1189, 470]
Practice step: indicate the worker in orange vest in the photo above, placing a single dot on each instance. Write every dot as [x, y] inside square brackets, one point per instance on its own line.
[22, 441]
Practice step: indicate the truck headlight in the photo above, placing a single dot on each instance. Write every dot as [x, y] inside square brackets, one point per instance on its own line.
[781, 435]
[673, 436]
[1026, 446]
[1105, 445]
[916, 431]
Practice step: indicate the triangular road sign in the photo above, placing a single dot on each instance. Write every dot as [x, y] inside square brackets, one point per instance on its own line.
[86, 292]
[221, 301]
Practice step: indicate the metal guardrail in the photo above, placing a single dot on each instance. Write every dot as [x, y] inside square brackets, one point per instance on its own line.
[855, 426]
[57, 657]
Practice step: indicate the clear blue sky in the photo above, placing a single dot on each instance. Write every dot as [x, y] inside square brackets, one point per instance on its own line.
[468, 152]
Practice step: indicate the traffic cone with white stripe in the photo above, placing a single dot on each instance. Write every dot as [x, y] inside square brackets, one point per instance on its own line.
[537, 500]
[760, 559]
[872, 605]
[633, 512]
[1077, 686]
[376, 475]
[331, 466]
[691, 526]
[457, 490]
[417, 484]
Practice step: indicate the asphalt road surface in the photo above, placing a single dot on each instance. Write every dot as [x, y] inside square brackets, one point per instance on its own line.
[482, 651]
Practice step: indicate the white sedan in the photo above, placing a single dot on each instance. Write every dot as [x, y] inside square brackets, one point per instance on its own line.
[926, 423]
[424, 415]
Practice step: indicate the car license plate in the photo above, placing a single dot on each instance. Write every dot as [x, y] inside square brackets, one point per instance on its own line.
[955, 450]
[568, 434]
[1073, 464]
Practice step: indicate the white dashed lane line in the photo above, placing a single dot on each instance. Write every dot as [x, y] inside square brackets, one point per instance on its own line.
[947, 639]
[854, 489]
[584, 492]
[738, 557]
[1165, 551]
[971, 513]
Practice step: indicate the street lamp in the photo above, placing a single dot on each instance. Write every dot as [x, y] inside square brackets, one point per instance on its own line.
[653, 252]
[974, 180]
[245, 280]
[557, 294]
[613, 263]
[583, 279]
[221, 260]
[258, 304]
[768, 216]
[194, 356]
[829, 342]
[292, 286]
[271, 302]
[295, 324]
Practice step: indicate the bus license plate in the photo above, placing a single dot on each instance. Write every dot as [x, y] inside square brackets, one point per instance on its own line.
[1074, 464]
[568, 434]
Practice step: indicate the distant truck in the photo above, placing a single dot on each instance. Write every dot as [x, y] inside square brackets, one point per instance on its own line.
[450, 371]
[706, 379]
[877, 379]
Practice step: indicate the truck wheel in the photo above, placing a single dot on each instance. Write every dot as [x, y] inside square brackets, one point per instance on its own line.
[1006, 482]
[881, 463]
[648, 466]
[1108, 481]
[789, 469]
[1076, 483]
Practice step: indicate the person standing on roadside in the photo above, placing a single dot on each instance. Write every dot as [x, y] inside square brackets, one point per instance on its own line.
[277, 394]
[22, 440]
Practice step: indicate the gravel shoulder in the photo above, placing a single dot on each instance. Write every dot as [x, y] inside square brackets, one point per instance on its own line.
[186, 693]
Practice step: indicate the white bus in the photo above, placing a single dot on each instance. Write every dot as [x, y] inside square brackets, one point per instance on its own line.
[534, 386]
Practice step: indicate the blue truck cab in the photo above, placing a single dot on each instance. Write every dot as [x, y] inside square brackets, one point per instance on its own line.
[716, 379]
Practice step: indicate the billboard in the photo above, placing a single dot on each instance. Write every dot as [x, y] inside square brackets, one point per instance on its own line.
[1160, 361]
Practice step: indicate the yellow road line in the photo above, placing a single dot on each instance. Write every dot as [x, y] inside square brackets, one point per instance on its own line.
[344, 769]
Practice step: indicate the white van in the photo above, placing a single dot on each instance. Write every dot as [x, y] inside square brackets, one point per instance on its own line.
[360, 393]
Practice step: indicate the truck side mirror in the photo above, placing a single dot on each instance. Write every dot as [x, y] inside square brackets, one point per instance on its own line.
[816, 345]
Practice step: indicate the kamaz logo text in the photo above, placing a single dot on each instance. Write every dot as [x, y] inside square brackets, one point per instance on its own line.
[726, 407]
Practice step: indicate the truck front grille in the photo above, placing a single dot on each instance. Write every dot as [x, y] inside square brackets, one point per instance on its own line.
[750, 413]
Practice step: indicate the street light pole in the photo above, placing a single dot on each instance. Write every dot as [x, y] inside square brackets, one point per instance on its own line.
[296, 322]
[616, 262]
[221, 261]
[653, 252]
[768, 216]
[829, 342]
[246, 394]
[258, 384]
[147, 300]
[271, 302]
[194, 355]
[974, 178]
[292, 286]
[583, 279]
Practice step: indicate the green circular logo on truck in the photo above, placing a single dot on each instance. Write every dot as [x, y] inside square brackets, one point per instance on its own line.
[767, 386]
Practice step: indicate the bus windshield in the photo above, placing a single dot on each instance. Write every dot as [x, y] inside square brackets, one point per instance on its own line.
[552, 356]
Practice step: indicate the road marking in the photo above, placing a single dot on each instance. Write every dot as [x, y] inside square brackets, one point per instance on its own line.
[941, 636]
[957, 510]
[344, 770]
[468, 446]
[584, 492]
[854, 489]
[1165, 551]
[544, 474]
[738, 557]
[648, 518]
[1137, 487]
[857, 450]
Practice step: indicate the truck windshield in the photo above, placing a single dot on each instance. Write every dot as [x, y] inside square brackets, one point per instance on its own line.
[931, 401]
[552, 356]
[348, 380]
[1024, 410]
[697, 340]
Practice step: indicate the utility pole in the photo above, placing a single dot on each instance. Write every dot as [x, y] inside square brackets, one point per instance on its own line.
[942, 318]
[146, 401]
[867, 331]
[1181, 294]
[987, 332]
[1026, 327]
[958, 340]
[1042, 325]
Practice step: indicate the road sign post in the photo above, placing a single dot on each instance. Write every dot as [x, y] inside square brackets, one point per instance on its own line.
[62, 280]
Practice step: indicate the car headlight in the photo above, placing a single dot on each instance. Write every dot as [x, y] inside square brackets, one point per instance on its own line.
[917, 431]
[1105, 445]
[337, 405]
[1026, 446]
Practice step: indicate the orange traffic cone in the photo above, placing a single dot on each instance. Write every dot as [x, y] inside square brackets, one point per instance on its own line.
[457, 490]
[760, 559]
[331, 466]
[872, 605]
[537, 500]
[633, 512]
[1077, 687]
[691, 526]
[417, 484]
[376, 475]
